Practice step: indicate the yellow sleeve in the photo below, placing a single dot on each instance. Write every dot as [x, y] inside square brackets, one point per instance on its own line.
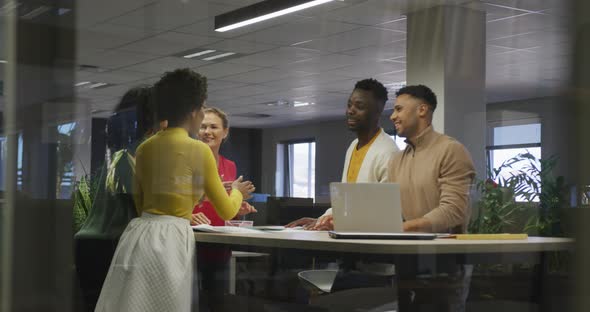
[227, 207]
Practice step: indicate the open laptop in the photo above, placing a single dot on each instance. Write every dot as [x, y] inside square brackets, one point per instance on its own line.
[369, 211]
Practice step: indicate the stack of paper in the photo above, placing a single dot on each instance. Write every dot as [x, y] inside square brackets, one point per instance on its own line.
[226, 229]
[278, 228]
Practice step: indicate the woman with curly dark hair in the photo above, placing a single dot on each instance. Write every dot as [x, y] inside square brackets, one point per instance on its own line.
[152, 269]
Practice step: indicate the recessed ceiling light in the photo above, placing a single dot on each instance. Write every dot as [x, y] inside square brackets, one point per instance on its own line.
[98, 85]
[199, 53]
[261, 11]
[280, 102]
[301, 42]
[299, 104]
[82, 83]
[214, 57]
[62, 11]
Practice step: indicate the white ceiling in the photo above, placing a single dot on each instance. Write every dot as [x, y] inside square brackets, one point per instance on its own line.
[315, 56]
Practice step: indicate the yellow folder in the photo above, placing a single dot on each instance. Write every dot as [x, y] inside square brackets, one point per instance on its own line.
[503, 236]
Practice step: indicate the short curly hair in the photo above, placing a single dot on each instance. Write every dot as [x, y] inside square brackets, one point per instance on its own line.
[421, 92]
[375, 87]
[178, 93]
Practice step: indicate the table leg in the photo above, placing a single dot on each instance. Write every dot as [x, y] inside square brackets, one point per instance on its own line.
[232, 276]
[538, 287]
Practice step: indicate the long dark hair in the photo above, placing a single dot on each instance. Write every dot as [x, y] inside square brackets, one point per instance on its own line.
[133, 117]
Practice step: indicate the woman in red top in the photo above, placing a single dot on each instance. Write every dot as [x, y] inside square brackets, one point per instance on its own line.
[213, 262]
[214, 131]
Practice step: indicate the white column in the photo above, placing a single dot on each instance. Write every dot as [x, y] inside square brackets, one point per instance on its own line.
[446, 52]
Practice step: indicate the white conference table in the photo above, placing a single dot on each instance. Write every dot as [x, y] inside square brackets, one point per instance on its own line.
[310, 240]
[401, 252]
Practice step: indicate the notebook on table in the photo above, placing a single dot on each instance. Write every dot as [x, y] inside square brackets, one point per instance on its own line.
[225, 229]
[369, 211]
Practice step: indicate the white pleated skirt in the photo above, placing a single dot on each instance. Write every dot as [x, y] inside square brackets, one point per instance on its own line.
[152, 268]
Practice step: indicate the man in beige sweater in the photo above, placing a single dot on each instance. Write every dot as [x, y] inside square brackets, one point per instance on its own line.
[435, 171]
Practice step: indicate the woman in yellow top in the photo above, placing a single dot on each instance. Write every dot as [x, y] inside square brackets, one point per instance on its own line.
[152, 269]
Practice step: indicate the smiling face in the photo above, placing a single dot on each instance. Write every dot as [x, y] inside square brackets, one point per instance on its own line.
[362, 111]
[212, 131]
[408, 114]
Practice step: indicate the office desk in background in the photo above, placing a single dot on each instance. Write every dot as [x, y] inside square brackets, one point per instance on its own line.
[532, 250]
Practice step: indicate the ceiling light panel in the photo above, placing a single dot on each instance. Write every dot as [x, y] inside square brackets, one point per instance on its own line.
[218, 56]
[204, 54]
[261, 11]
[93, 85]
[198, 53]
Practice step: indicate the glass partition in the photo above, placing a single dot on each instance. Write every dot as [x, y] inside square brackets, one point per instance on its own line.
[118, 115]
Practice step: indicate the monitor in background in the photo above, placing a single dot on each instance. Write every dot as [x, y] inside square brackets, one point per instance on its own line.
[282, 210]
[322, 206]
[258, 200]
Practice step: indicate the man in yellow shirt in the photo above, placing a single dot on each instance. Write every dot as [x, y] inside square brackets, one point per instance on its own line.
[368, 155]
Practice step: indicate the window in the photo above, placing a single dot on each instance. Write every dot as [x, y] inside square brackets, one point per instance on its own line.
[296, 169]
[399, 141]
[511, 141]
[65, 160]
[19, 159]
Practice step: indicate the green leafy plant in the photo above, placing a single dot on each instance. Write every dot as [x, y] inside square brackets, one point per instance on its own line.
[113, 182]
[83, 197]
[551, 193]
[86, 189]
[534, 184]
[497, 207]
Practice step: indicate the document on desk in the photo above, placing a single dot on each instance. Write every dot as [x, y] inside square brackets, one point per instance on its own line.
[226, 229]
[278, 228]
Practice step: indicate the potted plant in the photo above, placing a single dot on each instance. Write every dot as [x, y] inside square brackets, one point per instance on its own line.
[550, 191]
[497, 206]
[109, 177]
[83, 197]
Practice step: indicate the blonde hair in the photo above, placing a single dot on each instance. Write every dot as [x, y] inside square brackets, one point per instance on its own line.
[221, 114]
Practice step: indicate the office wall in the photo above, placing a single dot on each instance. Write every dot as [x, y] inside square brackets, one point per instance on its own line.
[243, 146]
[332, 140]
